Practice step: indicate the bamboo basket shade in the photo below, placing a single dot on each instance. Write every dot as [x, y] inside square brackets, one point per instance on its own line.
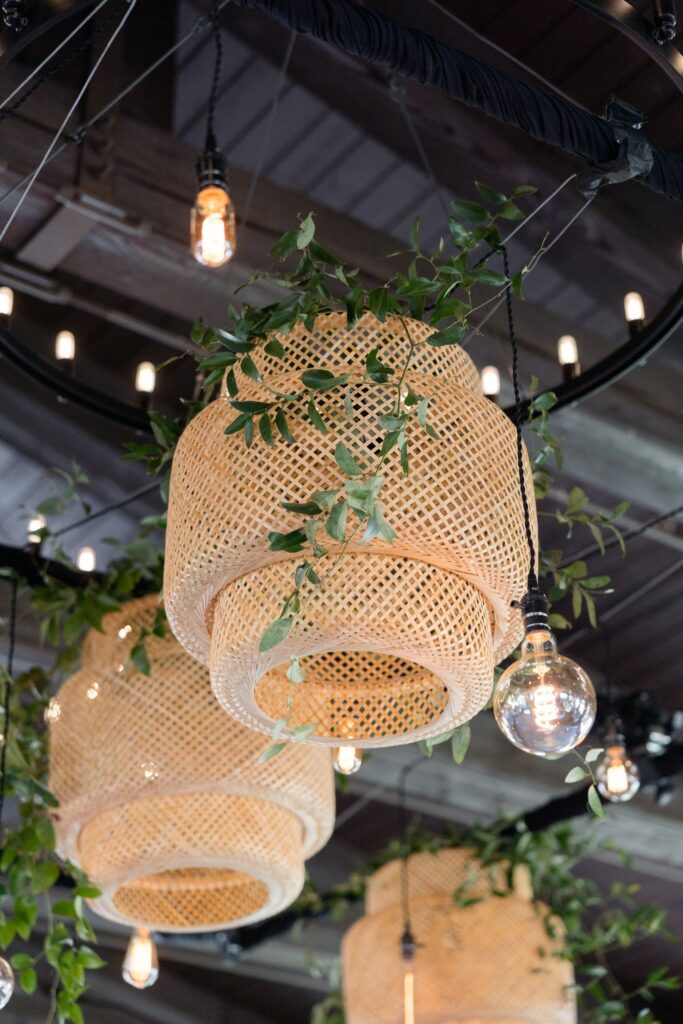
[457, 515]
[163, 801]
[488, 963]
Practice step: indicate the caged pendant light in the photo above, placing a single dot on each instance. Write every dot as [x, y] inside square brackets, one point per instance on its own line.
[401, 641]
[163, 801]
[491, 961]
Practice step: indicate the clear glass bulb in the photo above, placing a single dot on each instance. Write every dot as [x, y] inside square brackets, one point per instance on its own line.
[6, 982]
[6, 301]
[490, 382]
[347, 760]
[65, 346]
[86, 559]
[34, 525]
[145, 378]
[212, 227]
[544, 703]
[408, 996]
[141, 964]
[567, 350]
[617, 776]
[634, 307]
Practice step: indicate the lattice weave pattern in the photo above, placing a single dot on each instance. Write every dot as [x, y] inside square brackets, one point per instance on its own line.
[163, 801]
[473, 964]
[457, 515]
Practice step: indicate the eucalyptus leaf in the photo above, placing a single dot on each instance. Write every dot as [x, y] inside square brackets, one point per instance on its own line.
[277, 632]
[346, 461]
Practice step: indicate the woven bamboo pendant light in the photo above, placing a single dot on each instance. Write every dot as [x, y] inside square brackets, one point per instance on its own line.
[401, 641]
[163, 801]
[488, 963]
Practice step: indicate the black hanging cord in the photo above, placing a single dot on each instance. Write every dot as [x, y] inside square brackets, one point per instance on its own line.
[8, 695]
[210, 143]
[533, 579]
[108, 508]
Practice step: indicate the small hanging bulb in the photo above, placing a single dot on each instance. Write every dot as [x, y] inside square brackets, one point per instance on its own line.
[347, 760]
[212, 228]
[6, 302]
[617, 776]
[86, 559]
[544, 703]
[408, 949]
[141, 963]
[34, 525]
[65, 350]
[490, 382]
[145, 382]
[6, 982]
[568, 356]
[634, 311]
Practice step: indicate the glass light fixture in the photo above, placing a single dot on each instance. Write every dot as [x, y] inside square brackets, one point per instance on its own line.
[634, 311]
[34, 525]
[568, 356]
[544, 703]
[141, 963]
[490, 382]
[617, 776]
[212, 229]
[6, 982]
[86, 560]
[6, 302]
[65, 348]
[347, 760]
[145, 378]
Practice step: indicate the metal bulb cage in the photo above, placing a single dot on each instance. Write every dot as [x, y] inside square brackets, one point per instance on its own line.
[163, 801]
[401, 641]
[491, 961]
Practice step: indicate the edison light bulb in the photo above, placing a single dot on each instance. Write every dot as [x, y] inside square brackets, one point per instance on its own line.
[408, 996]
[490, 382]
[34, 525]
[544, 703]
[6, 982]
[213, 226]
[145, 378]
[617, 776]
[347, 760]
[141, 963]
[86, 559]
[6, 301]
[634, 308]
[65, 347]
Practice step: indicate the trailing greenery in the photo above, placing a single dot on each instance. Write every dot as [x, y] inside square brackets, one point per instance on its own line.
[595, 923]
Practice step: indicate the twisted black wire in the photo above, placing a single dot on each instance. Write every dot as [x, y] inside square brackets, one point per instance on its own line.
[7, 697]
[213, 95]
[532, 579]
[64, 63]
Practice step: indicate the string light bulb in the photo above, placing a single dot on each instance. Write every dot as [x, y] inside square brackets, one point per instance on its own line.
[408, 950]
[544, 703]
[568, 357]
[6, 982]
[634, 311]
[145, 378]
[34, 526]
[6, 302]
[617, 776]
[65, 347]
[347, 760]
[490, 382]
[141, 964]
[86, 560]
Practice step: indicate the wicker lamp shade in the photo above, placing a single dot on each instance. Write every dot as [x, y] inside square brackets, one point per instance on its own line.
[479, 964]
[430, 612]
[163, 801]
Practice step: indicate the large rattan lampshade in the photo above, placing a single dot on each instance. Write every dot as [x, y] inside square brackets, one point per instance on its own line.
[479, 964]
[401, 641]
[163, 801]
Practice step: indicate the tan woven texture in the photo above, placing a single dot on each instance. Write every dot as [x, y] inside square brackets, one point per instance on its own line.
[474, 965]
[163, 801]
[459, 536]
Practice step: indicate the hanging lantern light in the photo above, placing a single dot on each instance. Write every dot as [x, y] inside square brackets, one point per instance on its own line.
[163, 801]
[617, 776]
[401, 641]
[490, 961]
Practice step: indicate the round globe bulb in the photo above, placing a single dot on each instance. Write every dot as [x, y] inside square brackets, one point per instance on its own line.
[347, 760]
[544, 703]
[617, 776]
[6, 982]
[141, 964]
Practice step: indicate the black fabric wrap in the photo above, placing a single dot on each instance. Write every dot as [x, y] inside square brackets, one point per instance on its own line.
[377, 39]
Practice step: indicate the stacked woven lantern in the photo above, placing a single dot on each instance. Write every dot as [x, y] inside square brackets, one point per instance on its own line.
[491, 961]
[163, 801]
[401, 640]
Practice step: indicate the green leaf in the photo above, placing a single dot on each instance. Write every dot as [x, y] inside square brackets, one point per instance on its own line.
[315, 417]
[470, 211]
[266, 429]
[362, 493]
[302, 732]
[415, 234]
[346, 461]
[21, 961]
[88, 892]
[251, 407]
[450, 336]
[231, 384]
[594, 754]
[249, 432]
[510, 211]
[274, 348]
[271, 751]
[336, 521]
[284, 245]
[595, 803]
[524, 190]
[378, 526]
[461, 742]
[28, 981]
[250, 369]
[293, 541]
[302, 508]
[325, 499]
[376, 370]
[140, 658]
[576, 775]
[238, 424]
[295, 673]
[306, 232]
[485, 276]
[322, 380]
[276, 633]
[283, 427]
[490, 195]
